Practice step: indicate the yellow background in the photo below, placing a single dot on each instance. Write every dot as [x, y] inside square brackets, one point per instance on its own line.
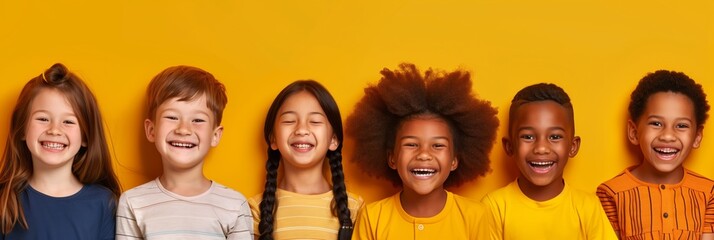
[595, 50]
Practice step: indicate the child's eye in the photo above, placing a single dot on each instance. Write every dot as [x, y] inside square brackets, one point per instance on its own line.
[199, 120]
[316, 122]
[439, 146]
[171, 118]
[287, 121]
[527, 137]
[682, 125]
[68, 122]
[42, 119]
[410, 145]
[654, 123]
[555, 137]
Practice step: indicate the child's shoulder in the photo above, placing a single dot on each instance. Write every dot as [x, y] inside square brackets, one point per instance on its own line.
[223, 191]
[502, 193]
[354, 200]
[697, 182]
[623, 181]
[148, 187]
[467, 206]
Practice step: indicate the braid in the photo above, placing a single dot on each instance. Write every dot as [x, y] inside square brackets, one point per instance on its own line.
[339, 191]
[267, 205]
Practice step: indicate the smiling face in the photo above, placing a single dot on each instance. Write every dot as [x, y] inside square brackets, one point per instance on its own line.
[423, 155]
[541, 142]
[302, 132]
[183, 132]
[666, 131]
[52, 133]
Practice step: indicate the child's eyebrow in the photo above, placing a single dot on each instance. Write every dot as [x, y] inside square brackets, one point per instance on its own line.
[294, 112]
[437, 137]
[63, 114]
[533, 129]
[676, 119]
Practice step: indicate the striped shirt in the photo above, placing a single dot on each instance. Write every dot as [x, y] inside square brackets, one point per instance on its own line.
[301, 216]
[641, 210]
[150, 211]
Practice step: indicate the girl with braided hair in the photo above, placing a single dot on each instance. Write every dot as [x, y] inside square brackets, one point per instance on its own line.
[303, 128]
[422, 132]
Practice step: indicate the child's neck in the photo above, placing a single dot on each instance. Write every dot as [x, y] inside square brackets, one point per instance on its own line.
[304, 181]
[647, 173]
[55, 182]
[541, 193]
[185, 183]
[423, 206]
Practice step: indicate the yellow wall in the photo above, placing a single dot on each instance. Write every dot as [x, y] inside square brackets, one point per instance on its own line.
[595, 50]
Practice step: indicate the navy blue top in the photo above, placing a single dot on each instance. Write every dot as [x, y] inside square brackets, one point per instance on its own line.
[88, 214]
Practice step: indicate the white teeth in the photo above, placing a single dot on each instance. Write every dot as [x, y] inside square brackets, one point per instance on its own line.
[302, 145]
[183, 145]
[423, 172]
[667, 150]
[53, 145]
[541, 164]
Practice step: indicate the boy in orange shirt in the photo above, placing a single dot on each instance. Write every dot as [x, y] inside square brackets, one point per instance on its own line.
[659, 198]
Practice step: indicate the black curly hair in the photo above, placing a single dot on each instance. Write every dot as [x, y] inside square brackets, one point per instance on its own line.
[541, 92]
[405, 93]
[268, 204]
[669, 81]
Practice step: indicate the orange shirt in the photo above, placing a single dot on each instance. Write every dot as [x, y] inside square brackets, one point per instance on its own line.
[641, 210]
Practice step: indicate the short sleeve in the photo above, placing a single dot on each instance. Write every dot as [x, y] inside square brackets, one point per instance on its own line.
[126, 224]
[491, 227]
[243, 228]
[363, 228]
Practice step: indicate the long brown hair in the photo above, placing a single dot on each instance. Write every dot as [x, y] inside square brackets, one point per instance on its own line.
[91, 165]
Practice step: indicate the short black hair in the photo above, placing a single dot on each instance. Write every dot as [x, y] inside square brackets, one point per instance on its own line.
[541, 92]
[669, 81]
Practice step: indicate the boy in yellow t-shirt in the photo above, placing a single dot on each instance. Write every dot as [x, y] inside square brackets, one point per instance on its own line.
[539, 204]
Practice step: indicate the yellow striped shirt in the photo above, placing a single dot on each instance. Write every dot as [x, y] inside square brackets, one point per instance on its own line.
[301, 216]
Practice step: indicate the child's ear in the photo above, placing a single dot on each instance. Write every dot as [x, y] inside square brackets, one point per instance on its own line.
[391, 161]
[217, 133]
[698, 137]
[273, 145]
[454, 164]
[632, 132]
[507, 146]
[149, 130]
[334, 143]
[574, 147]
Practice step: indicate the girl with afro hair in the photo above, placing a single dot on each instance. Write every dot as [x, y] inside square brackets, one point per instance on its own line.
[423, 132]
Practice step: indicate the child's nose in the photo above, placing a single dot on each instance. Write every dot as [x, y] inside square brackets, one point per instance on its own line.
[301, 130]
[54, 129]
[667, 135]
[184, 128]
[424, 156]
[541, 147]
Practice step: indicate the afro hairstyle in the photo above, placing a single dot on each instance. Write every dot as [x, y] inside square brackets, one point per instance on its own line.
[404, 94]
[668, 81]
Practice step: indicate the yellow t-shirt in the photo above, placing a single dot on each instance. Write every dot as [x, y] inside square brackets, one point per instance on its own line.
[386, 219]
[301, 216]
[571, 215]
